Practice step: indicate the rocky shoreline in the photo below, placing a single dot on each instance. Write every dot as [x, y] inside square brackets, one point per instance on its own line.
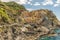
[26, 25]
[27, 30]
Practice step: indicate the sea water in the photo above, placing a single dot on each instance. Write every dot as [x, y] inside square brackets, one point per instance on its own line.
[51, 37]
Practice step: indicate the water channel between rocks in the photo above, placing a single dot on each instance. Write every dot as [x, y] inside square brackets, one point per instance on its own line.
[52, 37]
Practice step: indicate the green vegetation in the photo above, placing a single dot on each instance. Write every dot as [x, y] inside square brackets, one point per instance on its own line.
[4, 15]
[15, 6]
[8, 9]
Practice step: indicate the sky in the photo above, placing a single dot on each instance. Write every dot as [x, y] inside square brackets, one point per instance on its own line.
[30, 5]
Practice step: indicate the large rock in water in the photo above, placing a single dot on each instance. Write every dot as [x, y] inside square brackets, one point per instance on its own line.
[30, 25]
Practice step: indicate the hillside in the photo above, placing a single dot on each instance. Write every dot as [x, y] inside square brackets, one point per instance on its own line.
[8, 10]
[16, 23]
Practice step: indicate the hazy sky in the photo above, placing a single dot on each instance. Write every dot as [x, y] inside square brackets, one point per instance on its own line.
[53, 5]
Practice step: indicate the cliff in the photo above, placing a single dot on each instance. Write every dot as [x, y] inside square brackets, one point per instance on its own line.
[16, 23]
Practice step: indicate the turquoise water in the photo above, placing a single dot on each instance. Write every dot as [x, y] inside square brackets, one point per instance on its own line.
[51, 38]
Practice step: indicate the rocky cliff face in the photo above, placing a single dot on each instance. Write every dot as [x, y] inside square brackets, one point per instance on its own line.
[28, 25]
